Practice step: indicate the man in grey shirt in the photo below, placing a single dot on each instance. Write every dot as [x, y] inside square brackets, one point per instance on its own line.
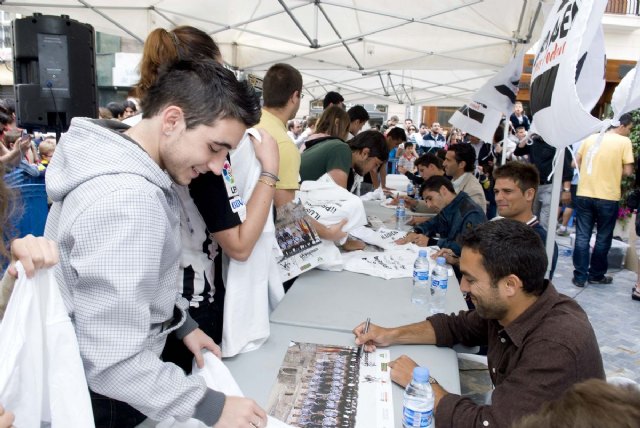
[116, 220]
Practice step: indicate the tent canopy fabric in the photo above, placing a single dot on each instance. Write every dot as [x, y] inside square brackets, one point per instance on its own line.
[407, 51]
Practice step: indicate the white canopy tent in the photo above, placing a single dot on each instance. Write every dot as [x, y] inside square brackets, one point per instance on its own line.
[405, 52]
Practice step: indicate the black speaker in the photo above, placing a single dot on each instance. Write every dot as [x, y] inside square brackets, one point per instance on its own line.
[54, 72]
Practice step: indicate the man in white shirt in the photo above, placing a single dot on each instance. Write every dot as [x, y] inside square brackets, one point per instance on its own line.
[459, 164]
[294, 129]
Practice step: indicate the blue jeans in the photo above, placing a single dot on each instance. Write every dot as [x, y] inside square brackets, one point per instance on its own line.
[110, 413]
[602, 214]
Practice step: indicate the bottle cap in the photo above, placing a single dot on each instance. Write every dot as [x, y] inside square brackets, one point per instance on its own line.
[441, 261]
[421, 374]
[422, 253]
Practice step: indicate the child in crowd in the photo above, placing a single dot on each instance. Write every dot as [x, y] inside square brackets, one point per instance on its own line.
[408, 157]
[46, 149]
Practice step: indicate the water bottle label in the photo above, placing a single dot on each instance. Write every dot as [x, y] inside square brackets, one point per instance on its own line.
[421, 275]
[413, 418]
[440, 283]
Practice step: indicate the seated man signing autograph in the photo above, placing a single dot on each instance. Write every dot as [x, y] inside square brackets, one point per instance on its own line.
[539, 342]
[456, 214]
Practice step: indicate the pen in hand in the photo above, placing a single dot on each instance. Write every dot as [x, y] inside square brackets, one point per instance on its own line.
[366, 330]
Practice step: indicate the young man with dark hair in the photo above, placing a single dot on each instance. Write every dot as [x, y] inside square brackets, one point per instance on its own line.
[332, 99]
[428, 165]
[459, 164]
[116, 109]
[358, 116]
[117, 224]
[539, 342]
[516, 184]
[366, 152]
[541, 154]
[378, 178]
[457, 213]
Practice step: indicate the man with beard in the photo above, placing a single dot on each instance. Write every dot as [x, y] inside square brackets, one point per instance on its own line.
[366, 152]
[539, 342]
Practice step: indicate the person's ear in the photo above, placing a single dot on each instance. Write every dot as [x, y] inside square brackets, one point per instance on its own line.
[365, 152]
[172, 120]
[529, 194]
[511, 285]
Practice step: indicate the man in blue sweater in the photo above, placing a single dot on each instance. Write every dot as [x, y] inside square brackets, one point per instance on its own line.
[457, 213]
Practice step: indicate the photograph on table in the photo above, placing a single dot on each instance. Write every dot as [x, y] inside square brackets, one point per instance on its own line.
[324, 385]
[317, 386]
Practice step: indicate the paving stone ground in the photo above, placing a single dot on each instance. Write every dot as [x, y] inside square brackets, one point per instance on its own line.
[614, 316]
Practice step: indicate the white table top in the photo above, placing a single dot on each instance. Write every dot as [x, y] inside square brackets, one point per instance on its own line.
[256, 371]
[341, 300]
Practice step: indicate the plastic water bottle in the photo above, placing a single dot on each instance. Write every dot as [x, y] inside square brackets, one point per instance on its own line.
[400, 210]
[420, 294]
[439, 284]
[410, 190]
[417, 406]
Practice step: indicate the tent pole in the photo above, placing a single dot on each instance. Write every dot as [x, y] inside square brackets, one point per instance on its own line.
[504, 140]
[312, 43]
[553, 210]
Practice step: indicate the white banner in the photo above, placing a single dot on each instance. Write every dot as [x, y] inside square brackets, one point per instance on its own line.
[477, 119]
[499, 93]
[568, 72]
[626, 97]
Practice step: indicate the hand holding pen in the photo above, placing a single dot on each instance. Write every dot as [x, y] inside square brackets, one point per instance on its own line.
[364, 332]
[371, 337]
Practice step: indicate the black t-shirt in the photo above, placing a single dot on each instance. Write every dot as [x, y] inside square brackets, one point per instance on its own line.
[216, 196]
[217, 200]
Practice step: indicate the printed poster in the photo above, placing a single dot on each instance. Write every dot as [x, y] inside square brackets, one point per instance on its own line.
[299, 242]
[324, 385]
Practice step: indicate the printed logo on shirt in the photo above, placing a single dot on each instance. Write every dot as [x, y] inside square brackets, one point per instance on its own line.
[237, 206]
[229, 181]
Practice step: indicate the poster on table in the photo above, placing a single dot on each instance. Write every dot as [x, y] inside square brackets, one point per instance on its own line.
[300, 246]
[568, 73]
[322, 386]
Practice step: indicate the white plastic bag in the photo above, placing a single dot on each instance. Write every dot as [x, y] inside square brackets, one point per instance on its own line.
[41, 374]
[329, 203]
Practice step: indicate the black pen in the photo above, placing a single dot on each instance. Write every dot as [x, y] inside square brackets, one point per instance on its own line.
[366, 330]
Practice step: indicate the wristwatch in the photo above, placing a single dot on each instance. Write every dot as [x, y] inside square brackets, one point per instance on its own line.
[566, 190]
[432, 380]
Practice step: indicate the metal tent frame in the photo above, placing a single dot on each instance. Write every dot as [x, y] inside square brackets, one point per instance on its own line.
[408, 52]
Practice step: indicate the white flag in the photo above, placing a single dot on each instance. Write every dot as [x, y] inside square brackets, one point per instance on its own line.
[568, 72]
[477, 119]
[626, 97]
[499, 93]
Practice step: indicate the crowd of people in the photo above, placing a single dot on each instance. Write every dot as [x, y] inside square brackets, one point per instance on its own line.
[137, 239]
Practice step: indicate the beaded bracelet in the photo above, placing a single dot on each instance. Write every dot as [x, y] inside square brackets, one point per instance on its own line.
[263, 181]
[268, 174]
